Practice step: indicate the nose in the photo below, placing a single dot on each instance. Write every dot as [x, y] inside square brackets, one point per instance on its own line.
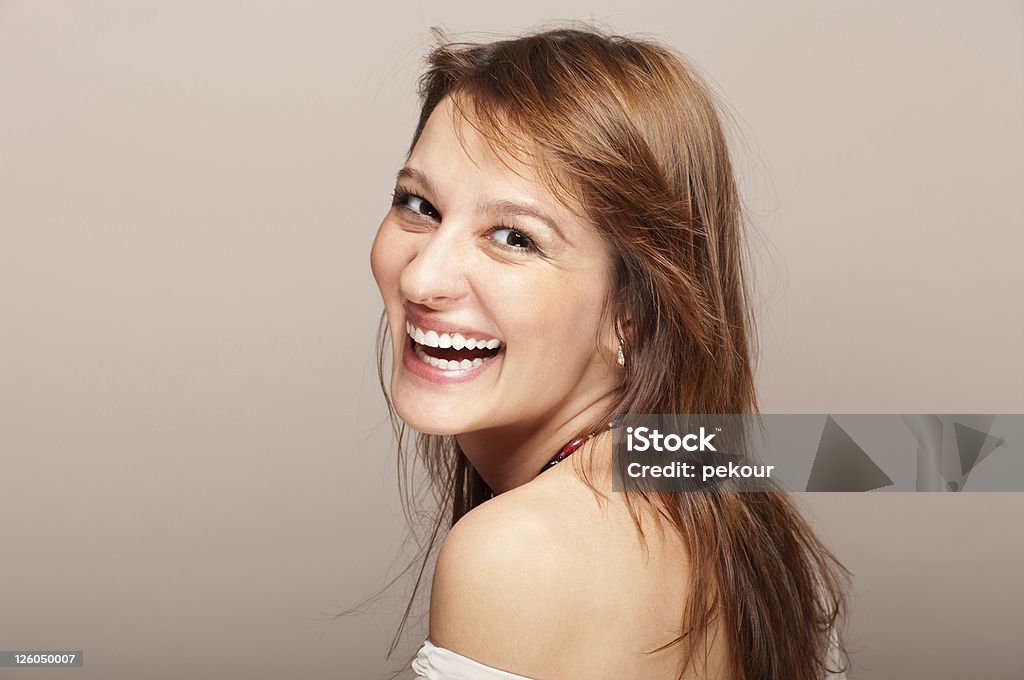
[436, 274]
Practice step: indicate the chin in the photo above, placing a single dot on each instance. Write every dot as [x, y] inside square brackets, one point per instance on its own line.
[434, 419]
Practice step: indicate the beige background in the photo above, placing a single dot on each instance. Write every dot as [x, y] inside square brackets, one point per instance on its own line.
[192, 459]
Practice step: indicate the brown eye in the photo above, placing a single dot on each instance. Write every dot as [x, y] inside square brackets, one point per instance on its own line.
[416, 204]
[512, 238]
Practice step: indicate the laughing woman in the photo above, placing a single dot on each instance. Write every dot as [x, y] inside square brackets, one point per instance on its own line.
[564, 245]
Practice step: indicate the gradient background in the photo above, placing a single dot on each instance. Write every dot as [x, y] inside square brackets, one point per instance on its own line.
[194, 460]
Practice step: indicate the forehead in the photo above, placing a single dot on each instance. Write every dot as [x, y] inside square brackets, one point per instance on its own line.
[458, 157]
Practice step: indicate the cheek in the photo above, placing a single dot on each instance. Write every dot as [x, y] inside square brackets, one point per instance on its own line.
[387, 262]
[562, 316]
[387, 259]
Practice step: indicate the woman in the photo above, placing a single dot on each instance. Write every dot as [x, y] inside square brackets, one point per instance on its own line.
[564, 245]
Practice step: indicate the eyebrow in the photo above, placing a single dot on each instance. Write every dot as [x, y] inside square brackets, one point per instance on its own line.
[417, 176]
[501, 208]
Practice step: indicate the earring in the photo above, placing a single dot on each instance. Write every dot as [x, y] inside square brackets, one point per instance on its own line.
[621, 361]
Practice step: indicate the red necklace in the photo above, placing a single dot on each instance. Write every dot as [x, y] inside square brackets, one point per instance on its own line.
[571, 447]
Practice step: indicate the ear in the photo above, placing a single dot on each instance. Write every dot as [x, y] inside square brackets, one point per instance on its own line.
[607, 341]
[619, 335]
[624, 330]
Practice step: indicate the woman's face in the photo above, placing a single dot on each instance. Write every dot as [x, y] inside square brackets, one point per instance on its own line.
[493, 291]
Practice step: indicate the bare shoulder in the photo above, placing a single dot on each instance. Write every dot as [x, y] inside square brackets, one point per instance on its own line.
[499, 587]
[549, 581]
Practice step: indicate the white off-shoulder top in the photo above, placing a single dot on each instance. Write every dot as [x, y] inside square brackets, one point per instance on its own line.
[437, 663]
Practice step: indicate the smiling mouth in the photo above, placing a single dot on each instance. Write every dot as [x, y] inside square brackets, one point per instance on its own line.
[452, 351]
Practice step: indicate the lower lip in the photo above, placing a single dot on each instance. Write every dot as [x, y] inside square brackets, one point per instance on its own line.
[438, 376]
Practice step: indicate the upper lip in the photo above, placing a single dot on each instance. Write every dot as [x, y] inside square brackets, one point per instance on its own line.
[429, 323]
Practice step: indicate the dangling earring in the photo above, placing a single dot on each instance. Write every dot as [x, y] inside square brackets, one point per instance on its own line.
[621, 360]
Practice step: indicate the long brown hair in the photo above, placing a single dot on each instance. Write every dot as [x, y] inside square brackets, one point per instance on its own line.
[629, 130]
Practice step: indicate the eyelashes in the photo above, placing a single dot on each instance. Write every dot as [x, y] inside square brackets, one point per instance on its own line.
[523, 242]
[413, 203]
[506, 236]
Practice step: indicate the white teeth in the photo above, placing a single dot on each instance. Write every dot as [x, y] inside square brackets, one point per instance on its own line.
[452, 365]
[445, 340]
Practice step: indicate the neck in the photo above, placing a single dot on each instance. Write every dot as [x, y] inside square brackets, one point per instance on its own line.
[513, 455]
